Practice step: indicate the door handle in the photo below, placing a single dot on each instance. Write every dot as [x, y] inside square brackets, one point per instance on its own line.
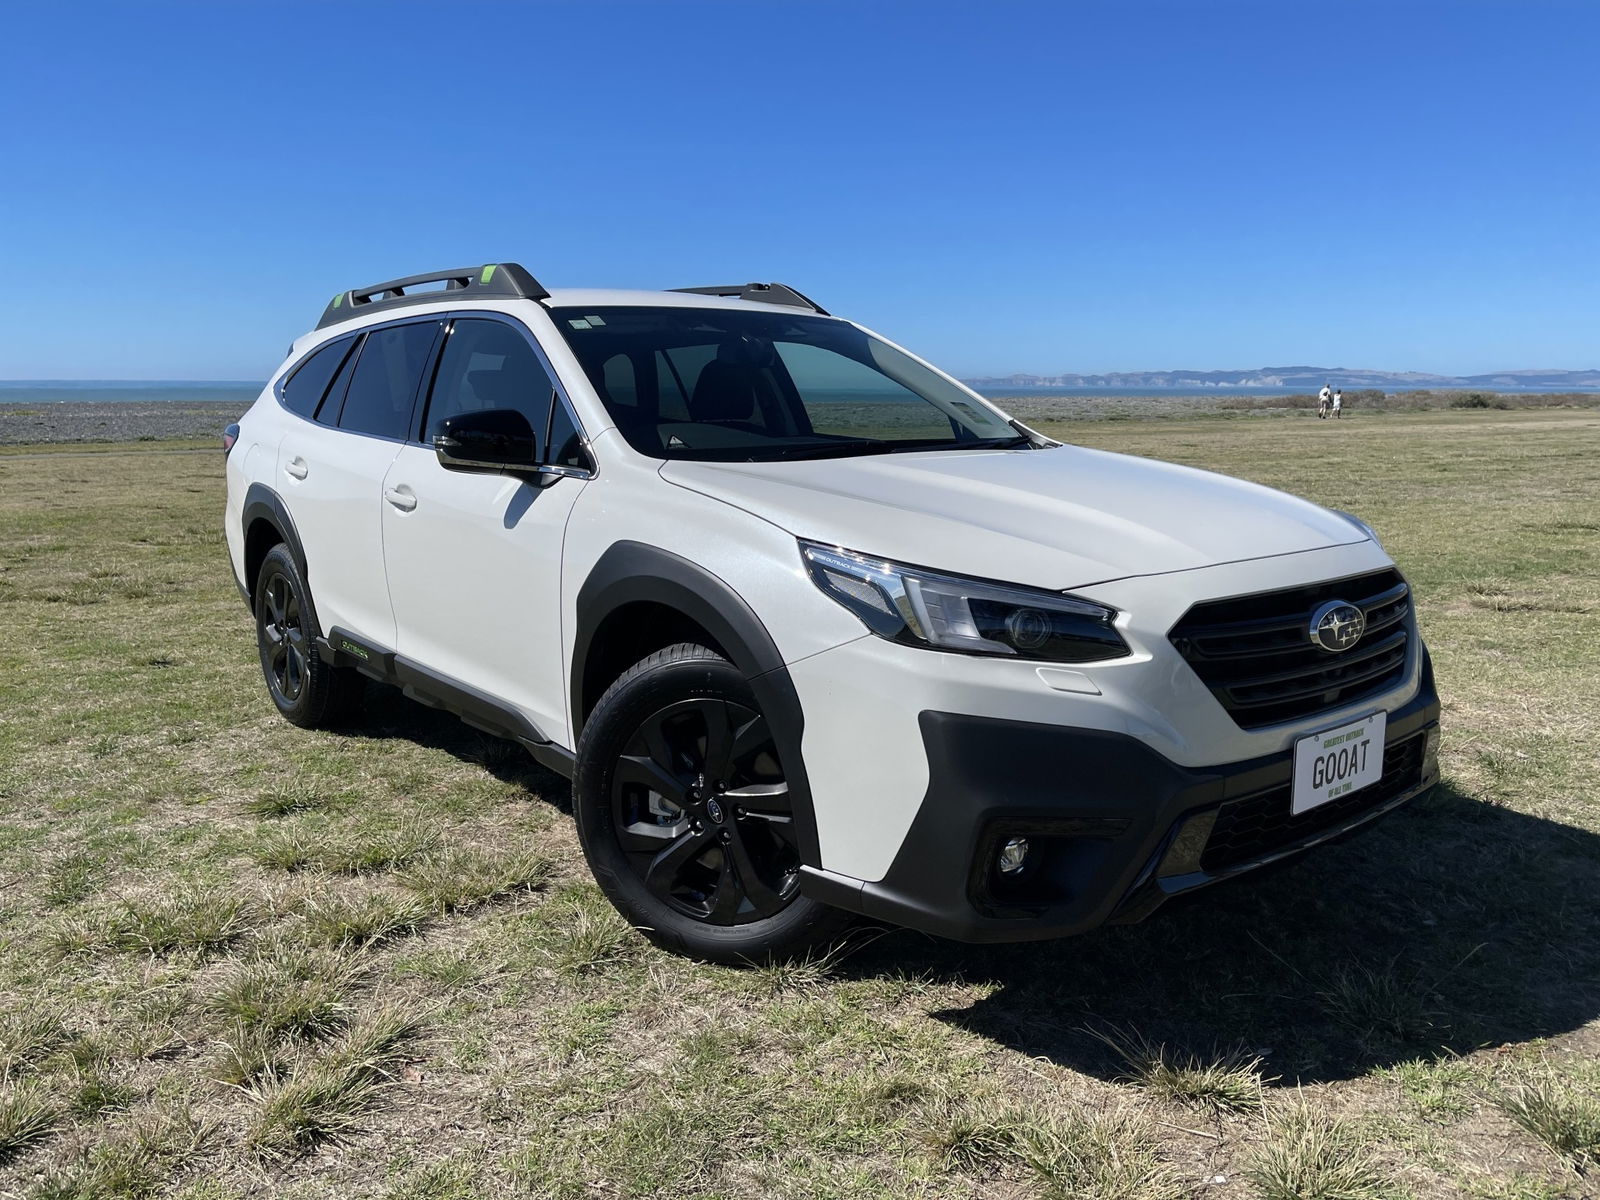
[296, 468]
[401, 497]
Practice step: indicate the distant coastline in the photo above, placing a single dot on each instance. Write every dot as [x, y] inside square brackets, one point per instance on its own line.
[1289, 380]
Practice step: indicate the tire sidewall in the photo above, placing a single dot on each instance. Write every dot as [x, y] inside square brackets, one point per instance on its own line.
[650, 686]
[279, 563]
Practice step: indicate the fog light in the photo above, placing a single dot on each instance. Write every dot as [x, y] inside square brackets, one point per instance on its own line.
[1013, 855]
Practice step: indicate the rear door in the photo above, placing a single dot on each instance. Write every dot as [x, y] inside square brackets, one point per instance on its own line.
[331, 469]
[474, 560]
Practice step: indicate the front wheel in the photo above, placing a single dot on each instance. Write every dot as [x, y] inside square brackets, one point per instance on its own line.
[685, 815]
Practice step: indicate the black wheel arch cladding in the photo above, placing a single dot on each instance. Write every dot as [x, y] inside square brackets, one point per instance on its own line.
[633, 573]
[261, 503]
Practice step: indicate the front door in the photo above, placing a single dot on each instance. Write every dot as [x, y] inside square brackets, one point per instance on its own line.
[474, 560]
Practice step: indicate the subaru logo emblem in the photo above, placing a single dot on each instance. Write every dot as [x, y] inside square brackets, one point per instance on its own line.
[1337, 626]
[714, 811]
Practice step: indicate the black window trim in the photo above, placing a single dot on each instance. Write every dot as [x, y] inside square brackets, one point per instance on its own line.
[353, 336]
[419, 415]
[361, 337]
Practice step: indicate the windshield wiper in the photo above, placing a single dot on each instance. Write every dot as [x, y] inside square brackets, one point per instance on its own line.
[831, 449]
[994, 443]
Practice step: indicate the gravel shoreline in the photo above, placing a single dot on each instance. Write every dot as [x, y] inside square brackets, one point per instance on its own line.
[74, 421]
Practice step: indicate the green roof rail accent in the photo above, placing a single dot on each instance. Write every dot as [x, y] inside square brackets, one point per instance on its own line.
[493, 279]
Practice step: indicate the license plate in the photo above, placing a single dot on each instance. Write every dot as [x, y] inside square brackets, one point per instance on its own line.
[1336, 762]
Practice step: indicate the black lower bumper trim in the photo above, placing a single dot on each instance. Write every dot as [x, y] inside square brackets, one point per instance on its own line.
[1114, 829]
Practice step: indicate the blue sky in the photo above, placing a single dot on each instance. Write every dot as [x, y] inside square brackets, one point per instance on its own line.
[1001, 186]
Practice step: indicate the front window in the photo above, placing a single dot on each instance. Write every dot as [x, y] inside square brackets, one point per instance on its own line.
[757, 386]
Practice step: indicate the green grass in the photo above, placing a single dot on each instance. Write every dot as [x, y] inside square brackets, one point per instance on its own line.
[238, 958]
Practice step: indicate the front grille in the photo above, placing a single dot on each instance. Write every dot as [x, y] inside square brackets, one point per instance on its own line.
[1256, 655]
[1254, 826]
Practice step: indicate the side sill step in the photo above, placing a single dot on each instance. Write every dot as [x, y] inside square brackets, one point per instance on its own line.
[478, 709]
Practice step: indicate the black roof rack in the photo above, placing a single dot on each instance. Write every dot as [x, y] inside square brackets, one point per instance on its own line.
[765, 293]
[492, 279]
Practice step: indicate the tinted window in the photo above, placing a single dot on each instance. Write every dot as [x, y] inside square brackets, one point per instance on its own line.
[385, 380]
[566, 444]
[489, 365]
[328, 413]
[303, 390]
[742, 385]
[619, 381]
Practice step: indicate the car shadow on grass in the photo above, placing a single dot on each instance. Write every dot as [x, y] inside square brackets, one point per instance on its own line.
[387, 713]
[1452, 925]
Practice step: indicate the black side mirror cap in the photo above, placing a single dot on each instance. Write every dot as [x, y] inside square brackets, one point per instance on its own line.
[495, 439]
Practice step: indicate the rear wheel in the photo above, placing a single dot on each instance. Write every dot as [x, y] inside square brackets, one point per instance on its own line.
[307, 691]
[685, 816]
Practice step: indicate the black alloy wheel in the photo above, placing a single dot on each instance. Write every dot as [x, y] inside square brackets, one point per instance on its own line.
[702, 811]
[686, 814]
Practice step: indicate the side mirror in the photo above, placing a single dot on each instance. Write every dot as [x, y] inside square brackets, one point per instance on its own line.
[496, 439]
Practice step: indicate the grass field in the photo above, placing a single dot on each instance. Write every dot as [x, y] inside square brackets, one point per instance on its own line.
[240, 959]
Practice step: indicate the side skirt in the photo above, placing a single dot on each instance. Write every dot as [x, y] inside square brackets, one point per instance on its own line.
[478, 709]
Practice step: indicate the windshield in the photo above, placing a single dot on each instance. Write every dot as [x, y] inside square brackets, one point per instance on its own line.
[717, 383]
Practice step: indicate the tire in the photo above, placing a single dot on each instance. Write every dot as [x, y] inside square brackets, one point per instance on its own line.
[306, 690]
[703, 863]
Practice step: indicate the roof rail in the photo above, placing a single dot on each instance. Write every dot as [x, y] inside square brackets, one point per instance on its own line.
[763, 293]
[492, 279]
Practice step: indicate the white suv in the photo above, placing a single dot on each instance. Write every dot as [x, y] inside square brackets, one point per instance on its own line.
[814, 629]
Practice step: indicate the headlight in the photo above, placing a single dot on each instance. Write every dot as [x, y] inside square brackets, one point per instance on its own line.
[947, 612]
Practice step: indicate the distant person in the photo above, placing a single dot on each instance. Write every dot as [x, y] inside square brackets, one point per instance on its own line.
[1338, 402]
[1324, 398]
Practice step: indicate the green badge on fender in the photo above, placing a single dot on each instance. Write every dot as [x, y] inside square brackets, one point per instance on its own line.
[350, 647]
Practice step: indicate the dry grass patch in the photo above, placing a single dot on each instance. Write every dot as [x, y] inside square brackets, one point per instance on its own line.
[186, 919]
[588, 937]
[284, 799]
[346, 850]
[325, 1095]
[1109, 1155]
[1229, 1081]
[349, 921]
[27, 1115]
[1562, 1115]
[289, 991]
[1310, 1155]
[135, 1162]
[25, 1038]
[465, 876]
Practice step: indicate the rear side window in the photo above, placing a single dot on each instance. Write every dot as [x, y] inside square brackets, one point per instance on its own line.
[489, 365]
[303, 390]
[386, 378]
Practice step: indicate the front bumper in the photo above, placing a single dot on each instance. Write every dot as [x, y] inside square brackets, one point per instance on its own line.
[1115, 828]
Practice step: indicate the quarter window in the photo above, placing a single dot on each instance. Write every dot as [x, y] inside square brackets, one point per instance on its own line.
[490, 365]
[385, 381]
[303, 390]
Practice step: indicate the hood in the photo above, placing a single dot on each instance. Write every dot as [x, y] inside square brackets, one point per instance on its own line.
[1057, 518]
